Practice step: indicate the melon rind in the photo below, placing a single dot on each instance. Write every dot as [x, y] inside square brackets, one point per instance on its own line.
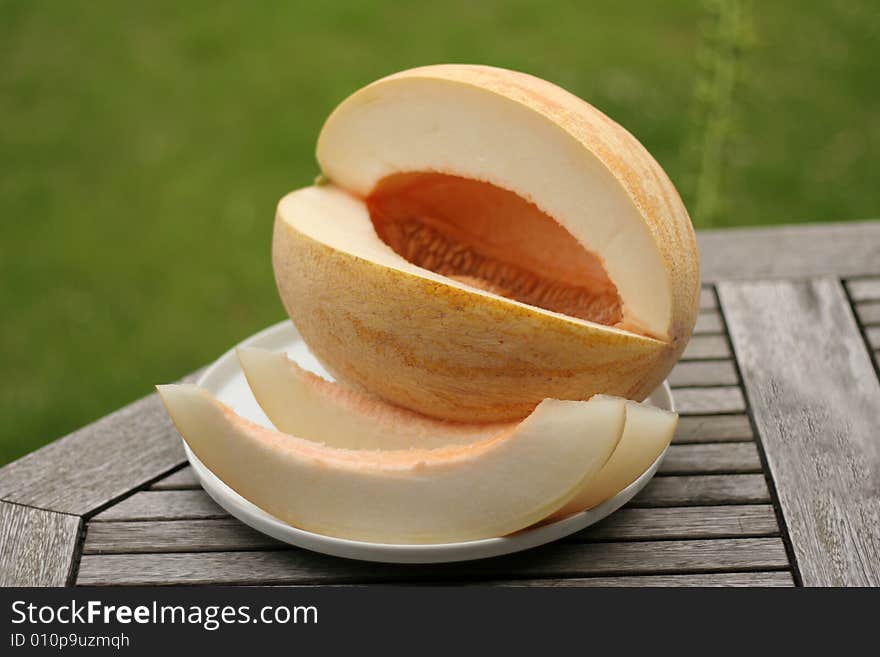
[432, 344]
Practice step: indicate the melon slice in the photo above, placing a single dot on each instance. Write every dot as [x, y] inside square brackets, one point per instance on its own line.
[457, 493]
[647, 433]
[305, 405]
[486, 240]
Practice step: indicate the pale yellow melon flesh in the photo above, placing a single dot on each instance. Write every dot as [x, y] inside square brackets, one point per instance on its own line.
[647, 433]
[305, 405]
[457, 493]
[554, 150]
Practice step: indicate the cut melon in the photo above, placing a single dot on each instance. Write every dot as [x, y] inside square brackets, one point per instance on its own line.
[647, 433]
[465, 492]
[486, 240]
[305, 405]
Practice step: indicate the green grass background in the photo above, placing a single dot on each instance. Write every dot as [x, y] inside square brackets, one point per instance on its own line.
[145, 144]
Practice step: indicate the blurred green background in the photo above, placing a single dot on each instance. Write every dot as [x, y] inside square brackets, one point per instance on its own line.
[145, 144]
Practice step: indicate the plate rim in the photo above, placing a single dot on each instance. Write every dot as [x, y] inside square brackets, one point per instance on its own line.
[265, 523]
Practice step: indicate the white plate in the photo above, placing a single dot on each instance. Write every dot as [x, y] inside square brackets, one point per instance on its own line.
[227, 382]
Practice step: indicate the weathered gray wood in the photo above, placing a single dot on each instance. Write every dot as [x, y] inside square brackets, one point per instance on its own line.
[713, 428]
[556, 560]
[700, 490]
[163, 505]
[97, 463]
[221, 534]
[711, 458]
[227, 534]
[872, 333]
[183, 479]
[777, 578]
[696, 401]
[816, 401]
[703, 373]
[732, 521]
[702, 347]
[841, 249]
[708, 321]
[869, 313]
[865, 289]
[36, 546]
[708, 301]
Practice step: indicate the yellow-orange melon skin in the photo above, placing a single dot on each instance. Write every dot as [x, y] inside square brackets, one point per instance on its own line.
[448, 352]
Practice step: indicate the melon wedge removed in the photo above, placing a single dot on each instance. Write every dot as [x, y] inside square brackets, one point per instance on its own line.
[647, 433]
[457, 493]
[305, 405]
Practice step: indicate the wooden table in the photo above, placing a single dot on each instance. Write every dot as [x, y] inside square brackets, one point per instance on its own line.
[773, 478]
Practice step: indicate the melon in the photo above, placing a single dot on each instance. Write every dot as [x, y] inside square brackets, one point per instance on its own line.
[303, 404]
[491, 487]
[648, 431]
[486, 240]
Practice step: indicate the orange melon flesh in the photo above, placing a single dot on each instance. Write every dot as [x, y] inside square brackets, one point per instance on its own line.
[457, 493]
[647, 433]
[305, 405]
[491, 238]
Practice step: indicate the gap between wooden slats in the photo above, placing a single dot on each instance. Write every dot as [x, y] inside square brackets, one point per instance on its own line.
[551, 561]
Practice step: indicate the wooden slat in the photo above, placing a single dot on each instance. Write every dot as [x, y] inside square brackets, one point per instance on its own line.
[704, 490]
[698, 401]
[777, 578]
[731, 521]
[709, 321]
[869, 313]
[711, 458]
[163, 505]
[872, 333]
[662, 491]
[183, 479]
[702, 347]
[708, 301]
[713, 428]
[841, 249]
[864, 289]
[816, 402]
[227, 534]
[556, 560]
[98, 463]
[221, 534]
[703, 373]
[36, 546]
